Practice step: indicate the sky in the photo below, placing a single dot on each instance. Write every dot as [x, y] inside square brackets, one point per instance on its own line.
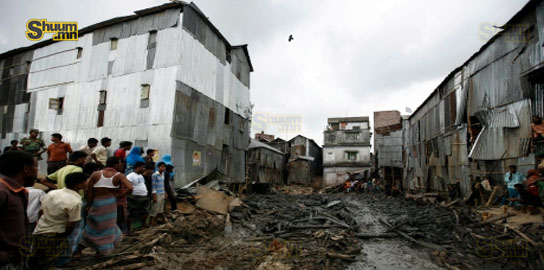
[348, 57]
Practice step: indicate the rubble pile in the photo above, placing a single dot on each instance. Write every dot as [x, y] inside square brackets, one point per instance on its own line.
[309, 231]
[460, 238]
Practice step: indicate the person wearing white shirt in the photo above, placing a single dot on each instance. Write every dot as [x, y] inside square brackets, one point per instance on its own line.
[33, 208]
[138, 201]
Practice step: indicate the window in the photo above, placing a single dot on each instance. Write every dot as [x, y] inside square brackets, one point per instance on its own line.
[352, 155]
[242, 125]
[227, 116]
[113, 44]
[144, 96]
[110, 67]
[352, 136]
[152, 39]
[356, 127]
[145, 91]
[56, 104]
[103, 97]
[79, 52]
[27, 66]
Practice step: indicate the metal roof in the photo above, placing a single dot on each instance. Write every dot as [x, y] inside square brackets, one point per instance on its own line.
[256, 144]
[137, 14]
[531, 5]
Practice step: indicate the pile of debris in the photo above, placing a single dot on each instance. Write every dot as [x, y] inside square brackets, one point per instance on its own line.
[310, 231]
[460, 238]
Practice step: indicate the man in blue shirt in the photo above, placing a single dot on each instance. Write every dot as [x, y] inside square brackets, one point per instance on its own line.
[157, 187]
[511, 178]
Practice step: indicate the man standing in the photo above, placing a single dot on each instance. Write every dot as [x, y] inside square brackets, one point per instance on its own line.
[169, 187]
[57, 153]
[537, 127]
[100, 153]
[511, 178]
[121, 152]
[89, 148]
[138, 201]
[148, 173]
[34, 145]
[32, 210]
[61, 210]
[17, 170]
[157, 207]
[150, 153]
[56, 180]
[101, 231]
[13, 146]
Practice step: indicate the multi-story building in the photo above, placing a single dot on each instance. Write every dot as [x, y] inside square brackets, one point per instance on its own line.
[346, 148]
[304, 160]
[388, 147]
[164, 78]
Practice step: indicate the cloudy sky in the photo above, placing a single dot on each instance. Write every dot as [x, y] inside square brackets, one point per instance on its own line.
[348, 57]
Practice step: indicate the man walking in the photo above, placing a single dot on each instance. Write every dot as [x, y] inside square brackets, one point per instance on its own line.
[57, 153]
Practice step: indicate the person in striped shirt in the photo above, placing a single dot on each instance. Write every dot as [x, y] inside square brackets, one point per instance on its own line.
[158, 191]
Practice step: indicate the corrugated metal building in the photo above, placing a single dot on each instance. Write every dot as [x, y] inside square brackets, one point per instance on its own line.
[304, 160]
[388, 147]
[477, 121]
[165, 78]
[266, 164]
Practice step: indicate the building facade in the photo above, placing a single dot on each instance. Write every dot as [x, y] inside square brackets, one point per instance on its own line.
[266, 164]
[262, 137]
[477, 121]
[304, 160]
[164, 78]
[388, 147]
[346, 148]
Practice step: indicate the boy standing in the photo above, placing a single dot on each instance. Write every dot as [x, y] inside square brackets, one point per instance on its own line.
[158, 191]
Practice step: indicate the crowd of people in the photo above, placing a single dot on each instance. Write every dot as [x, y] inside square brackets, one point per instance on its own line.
[524, 192]
[353, 184]
[87, 200]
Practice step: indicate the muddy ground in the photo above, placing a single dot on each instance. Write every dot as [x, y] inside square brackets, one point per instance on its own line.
[320, 231]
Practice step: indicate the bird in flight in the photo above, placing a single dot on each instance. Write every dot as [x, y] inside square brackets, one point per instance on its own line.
[291, 38]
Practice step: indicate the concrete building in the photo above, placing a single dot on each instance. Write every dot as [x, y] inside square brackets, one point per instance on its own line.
[346, 148]
[477, 121]
[262, 137]
[164, 78]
